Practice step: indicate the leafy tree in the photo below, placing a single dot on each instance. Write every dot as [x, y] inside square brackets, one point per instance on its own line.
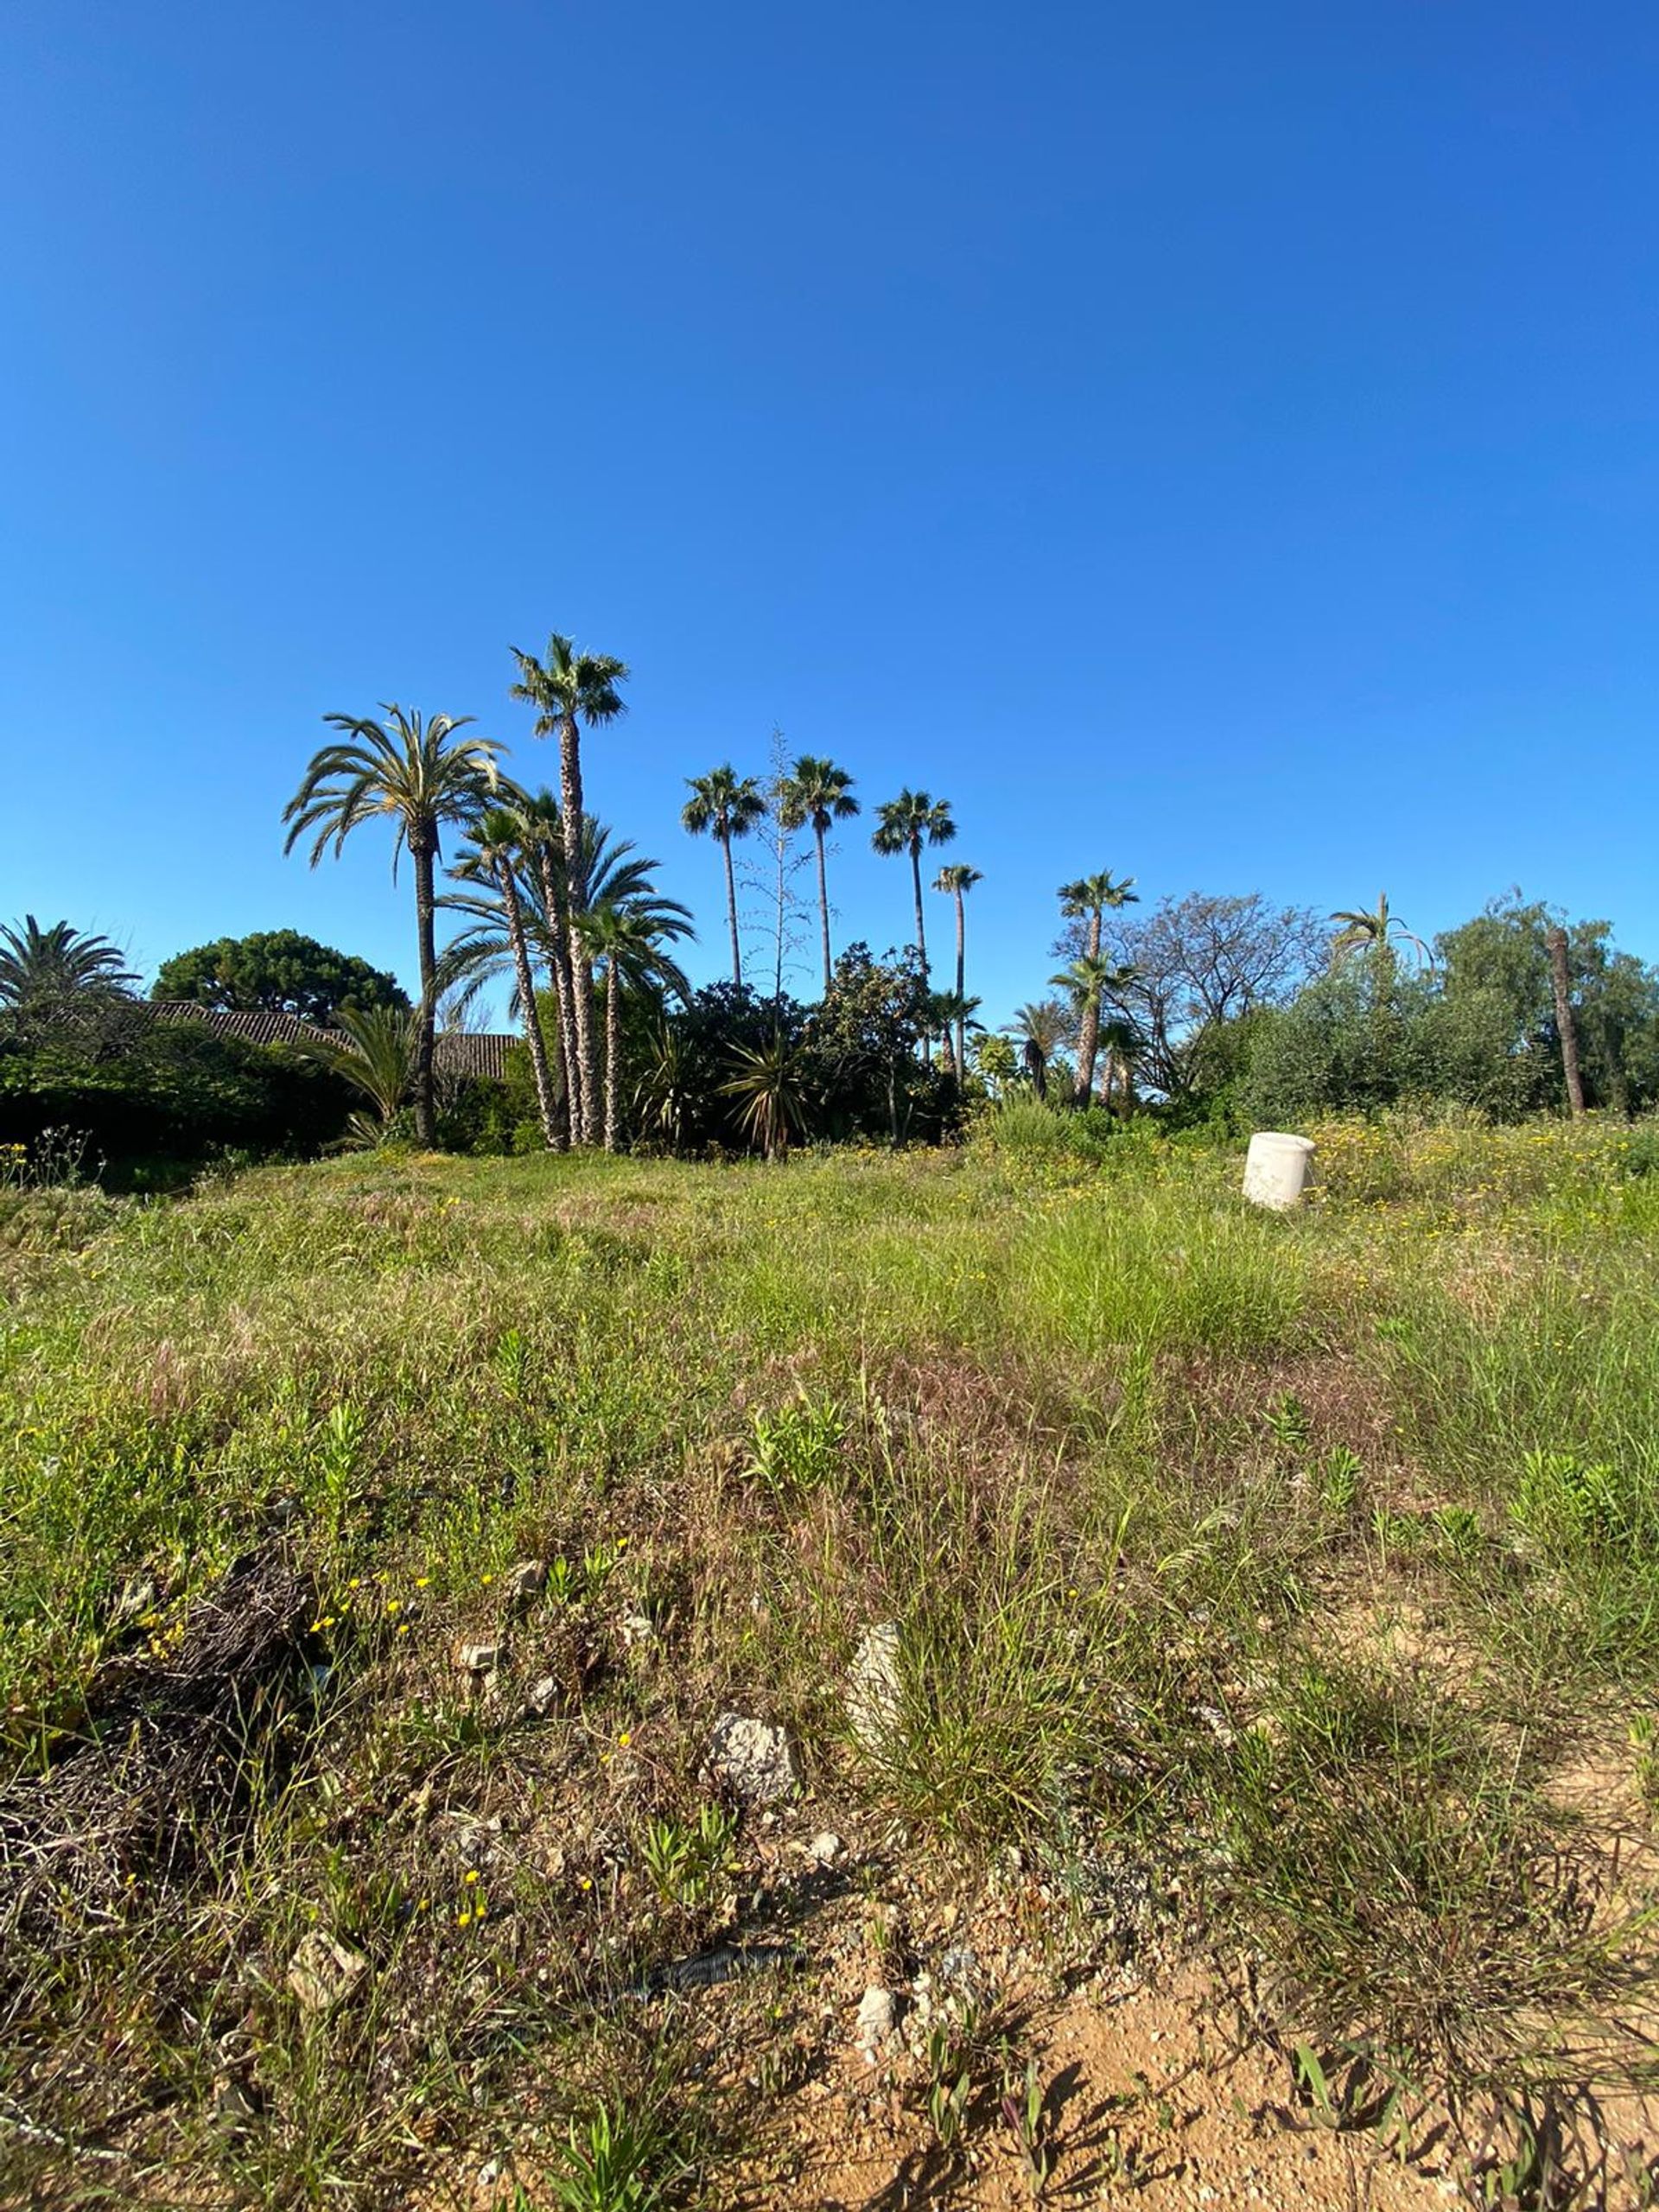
[957, 881]
[47, 974]
[568, 689]
[275, 971]
[816, 792]
[724, 805]
[1195, 964]
[905, 824]
[418, 775]
[865, 1037]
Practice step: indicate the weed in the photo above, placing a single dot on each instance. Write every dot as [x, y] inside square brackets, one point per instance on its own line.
[799, 1446]
[689, 1862]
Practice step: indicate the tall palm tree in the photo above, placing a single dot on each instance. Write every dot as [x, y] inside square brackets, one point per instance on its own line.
[905, 824]
[957, 879]
[1089, 896]
[1090, 978]
[817, 791]
[1121, 1044]
[417, 774]
[544, 858]
[626, 937]
[568, 689]
[496, 853]
[724, 805]
[44, 971]
[1374, 931]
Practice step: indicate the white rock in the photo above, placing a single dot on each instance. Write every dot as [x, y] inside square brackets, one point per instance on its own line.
[323, 1972]
[477, 1658]
[877, 2012]
[825, 1847]
[873, 1697]
[754, 1759]
[545, 1696]
[527, 1580]
[639, 1630]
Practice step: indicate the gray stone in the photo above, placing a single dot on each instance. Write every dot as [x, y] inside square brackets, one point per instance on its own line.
[878, 2015]
[526, 1581]
[825, 1847]
[323, 1970]
[755, 1760]
[873, 1696]
[479, 1658]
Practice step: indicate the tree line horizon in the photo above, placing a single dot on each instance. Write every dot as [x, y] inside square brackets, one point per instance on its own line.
[1201, 998]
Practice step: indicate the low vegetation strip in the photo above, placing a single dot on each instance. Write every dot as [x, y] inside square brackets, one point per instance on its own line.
[1122, 1584]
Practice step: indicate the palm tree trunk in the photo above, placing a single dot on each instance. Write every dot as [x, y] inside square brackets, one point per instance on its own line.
[1566, 1028]
[558, 946]
[921, 926]
[612, 1047]
[823, 904]
[961, 1013]
[533, 1036]
[422, 848]
[1089, 1030]
[582, 973]
[731, 913]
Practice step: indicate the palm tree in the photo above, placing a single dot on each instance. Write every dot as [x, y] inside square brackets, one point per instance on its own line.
[905, 824]
[724, 805]
[377, 1059]
[1041, 1026]
[769, 1079]
[1121, 1044]
[545, 857]
[627, 937]
[567, 688]
[418, 774]
[498, 842]
[1091, 896]
[951, 1016]
[817, 791]
[1375, 930]
[44, 971]
[958, 879]
[1089, 979]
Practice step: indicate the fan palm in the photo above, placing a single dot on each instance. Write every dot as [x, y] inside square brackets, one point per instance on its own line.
[817, 791]
[568, 689]
[724, 805]
[958, 879]
[418, 774]
[626, 937]
[1088, 896]
[1039, 1028]
[45, 971]
[497, 852]
[1089, 979]
[905, 824]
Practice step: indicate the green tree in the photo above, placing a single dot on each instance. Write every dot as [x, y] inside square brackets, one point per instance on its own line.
[957, 881]
[1039, 1028]
[1374, 932]
[816, 792]
[627, 938]
[45, 974]
[1088, 900]
[497, 853]
[275, 971]
[419, 775]
[378, 1056]
[724, 805]
[905, 824]
[1086, 982]
[567, 689]
[769, 1081]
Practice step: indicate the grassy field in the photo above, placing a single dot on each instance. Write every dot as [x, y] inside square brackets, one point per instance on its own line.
[1295, 1579]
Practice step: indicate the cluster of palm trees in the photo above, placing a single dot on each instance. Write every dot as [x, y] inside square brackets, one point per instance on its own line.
[551, 900]
[540, 884]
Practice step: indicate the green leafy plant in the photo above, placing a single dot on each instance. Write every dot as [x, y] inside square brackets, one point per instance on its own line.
[617, 2160]
[1024, 2109]
[1339, 1473]
[950, 2060]
[689, 1861]
[799, 1446]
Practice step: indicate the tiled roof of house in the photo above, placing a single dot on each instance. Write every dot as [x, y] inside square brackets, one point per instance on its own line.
[457, 1053]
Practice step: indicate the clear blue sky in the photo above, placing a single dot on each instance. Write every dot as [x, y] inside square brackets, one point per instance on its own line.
[1216, 442]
